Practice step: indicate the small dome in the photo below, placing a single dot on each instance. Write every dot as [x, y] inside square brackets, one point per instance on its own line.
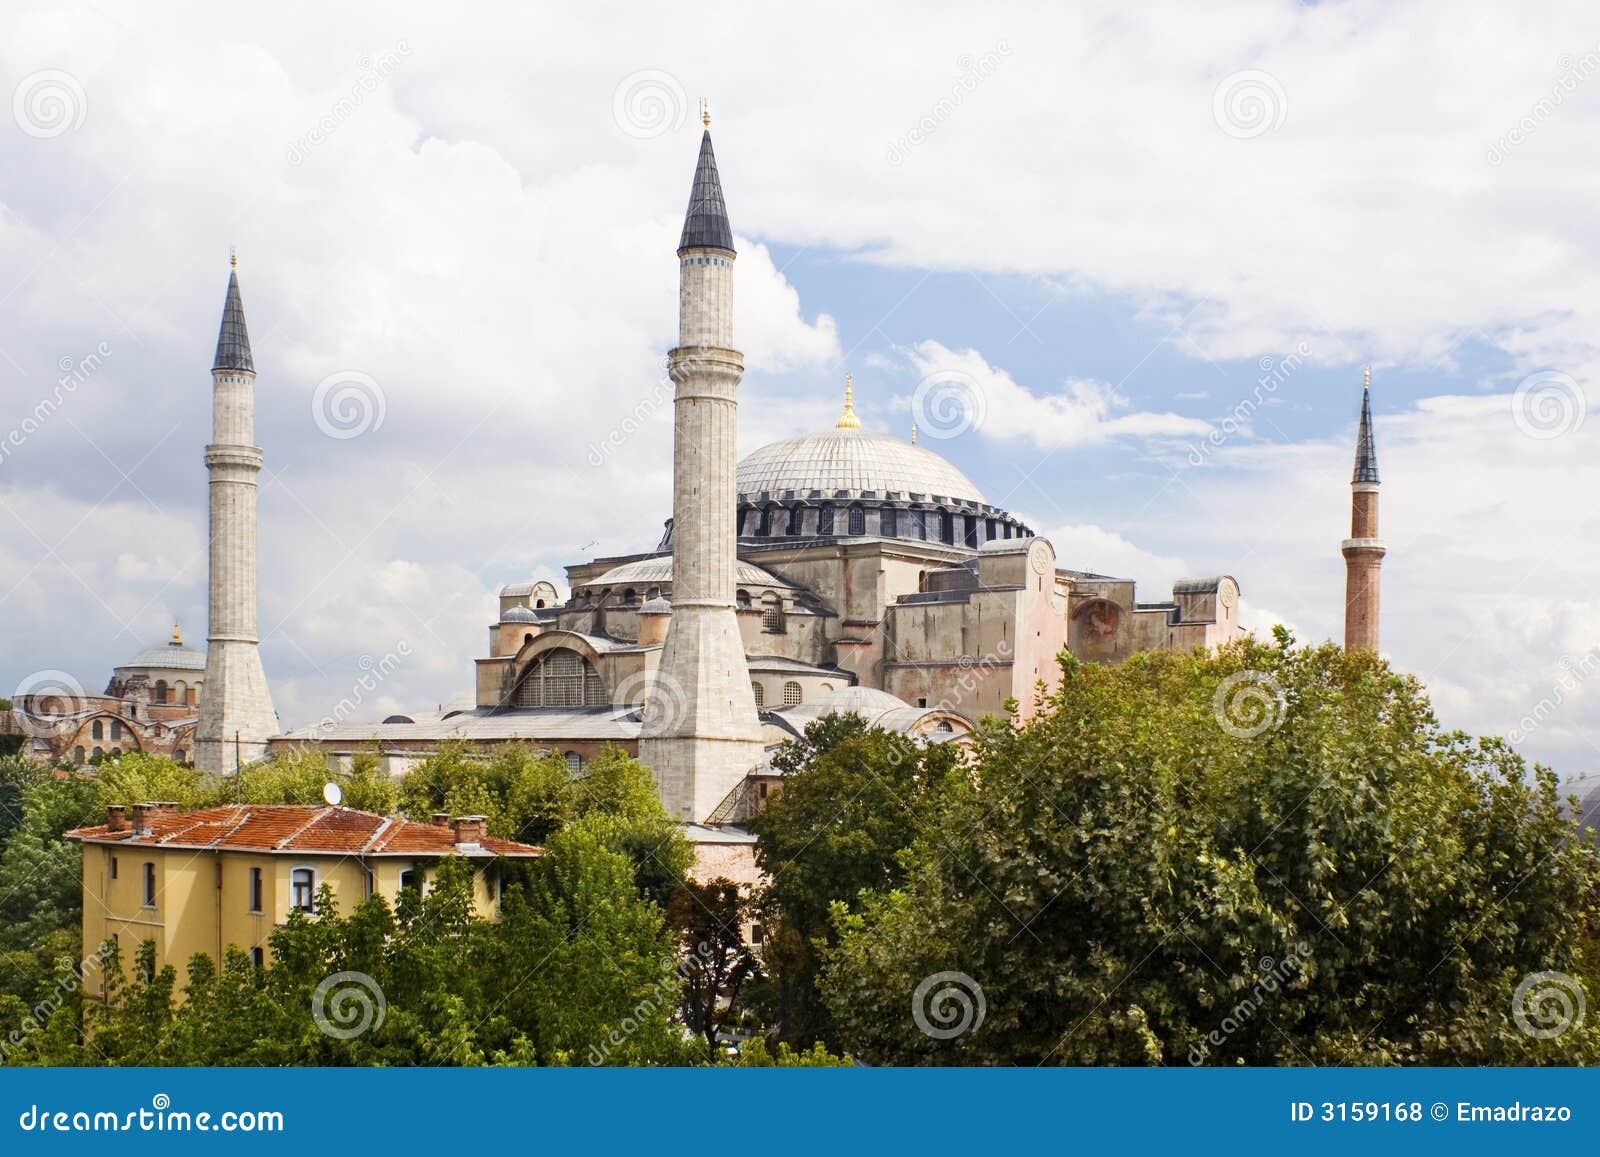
[658, 569]
[168, 657]
[852, 460]
[518, 614]
[656, 606]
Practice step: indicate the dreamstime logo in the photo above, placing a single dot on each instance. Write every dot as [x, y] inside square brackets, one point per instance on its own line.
[948, 1004]
[635, 420]
[1574, 673]
[947, 403]
[1274, 372]
[648, 103]
[1570, 74]
[971, 71]
[373, 674]
[1547, 1004]
[347, 1004]
[71, 976]
[665, 704]
[49, 103]
[1548, 404]
[1248, 104]
[347, 404]
[371, 73]
[1248, 704]
[46, 699]
[1271, 975]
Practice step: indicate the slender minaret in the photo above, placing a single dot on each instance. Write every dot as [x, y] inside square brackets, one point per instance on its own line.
[701, 735]
[1363, 550]
[236, 714]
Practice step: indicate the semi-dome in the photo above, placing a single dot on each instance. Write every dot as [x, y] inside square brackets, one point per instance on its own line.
[853, 461]
[658, 569]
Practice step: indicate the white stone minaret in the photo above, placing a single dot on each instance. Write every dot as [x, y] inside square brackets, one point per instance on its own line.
[236, 714]
[701, 735]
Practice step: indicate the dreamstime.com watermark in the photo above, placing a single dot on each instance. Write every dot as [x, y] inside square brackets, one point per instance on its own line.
[347, 1004]
[947, 1005]
[1274, 372]
[1249, 103]
[661, 394]
[74, 373]
[1548, 404]
[1249, 703]
[347, 404]
[947, 403]
[1547, 1004]
[160, 1117]
[371, 73]
[971, 71]
[72, 976]
[1570, 74]
[1574, 674]
[49, 103]
[665, 993]
[1272, 975]
[648, 104]
[373, 674]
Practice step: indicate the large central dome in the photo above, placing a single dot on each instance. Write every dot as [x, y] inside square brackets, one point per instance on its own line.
[852, 460]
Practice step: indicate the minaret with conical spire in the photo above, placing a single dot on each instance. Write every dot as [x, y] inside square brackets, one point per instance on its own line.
[1363, 550]
[236, 714]
[701, 735]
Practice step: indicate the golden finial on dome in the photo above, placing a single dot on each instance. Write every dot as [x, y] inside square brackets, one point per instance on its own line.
[1366, 377]
[177, 636]
[705, 113]
[848, 420]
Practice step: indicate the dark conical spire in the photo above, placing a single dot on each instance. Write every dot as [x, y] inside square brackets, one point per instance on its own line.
[233, 340]
[706, 226]
[1366, 451]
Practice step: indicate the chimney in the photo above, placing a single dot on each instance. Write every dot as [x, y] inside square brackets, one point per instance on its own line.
[440, 819]
[469, 830]
[145, 813]
[116, 818]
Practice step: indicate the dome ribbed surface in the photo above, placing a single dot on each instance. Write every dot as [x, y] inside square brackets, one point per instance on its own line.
[852, 460]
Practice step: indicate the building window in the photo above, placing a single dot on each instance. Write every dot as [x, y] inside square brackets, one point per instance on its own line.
[97, 730]
[149, 884]
[574, 762]
[760, 693]
[947, 528]
[757, 933]
[368, 885]
[258, 958]
[255, 889]
[772, 615]
[858, 520]
[971, 536]
[303, 889]
[560, 678]
[919, 524]
[825, 520]
[116, 729]
[113, 867]
[945, 727]
[77, 755]
[180, 755]
[791, 694]
[764, 523]
[97, 753]
[161, 690]
[411, 878]
[794, 520]
[743, 599]
[887, 522]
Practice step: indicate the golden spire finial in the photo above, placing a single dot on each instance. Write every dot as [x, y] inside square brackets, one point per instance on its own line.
[177, 636]
[705, 112]
[1366, 377]
[913, 431]
[233, 257]
[848, 420]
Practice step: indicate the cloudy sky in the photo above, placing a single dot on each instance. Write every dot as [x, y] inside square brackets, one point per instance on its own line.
[1124, 268]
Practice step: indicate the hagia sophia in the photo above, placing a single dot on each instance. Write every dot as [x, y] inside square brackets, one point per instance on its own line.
[840, 570]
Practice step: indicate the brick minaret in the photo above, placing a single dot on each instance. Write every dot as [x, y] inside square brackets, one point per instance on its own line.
[701, 735]
[1363, 550]
[236, 714]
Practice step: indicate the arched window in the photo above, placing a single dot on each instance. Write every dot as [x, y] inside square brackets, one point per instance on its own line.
[791, 694]
[161, 691]
[743, 599]
[97, 753]
[772, 615]
[887, 522]
[760, 693]
[527, 638]
[947, 527]
[764, 523]
[794, 519]
[180, 755]
[97, 730]
[560, 678]
[539, 603]
[180, 694]
[77, 755]
[944, 727]
[971, 536]
[825, 520]
[824, 687]
[116, 729]
[858, 520]
[919, 524]
[629, 597]
[574, 762]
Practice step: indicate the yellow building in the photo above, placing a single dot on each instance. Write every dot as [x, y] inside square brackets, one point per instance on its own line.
[202, 880]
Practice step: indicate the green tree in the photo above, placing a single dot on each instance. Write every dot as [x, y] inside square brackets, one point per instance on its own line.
[716, 960]
[1267, 855]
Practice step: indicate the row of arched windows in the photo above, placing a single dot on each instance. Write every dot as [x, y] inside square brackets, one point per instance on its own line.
[939, 525]
[178, 693]
[793, 696]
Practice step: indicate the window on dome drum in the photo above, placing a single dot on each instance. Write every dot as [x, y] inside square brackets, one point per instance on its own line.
[764, 523]
[743, 599]
[825, 520]
[149, 884]
[947, 527]
[629, 597]
[794, 521]
[759, 692]
[574, 762]
[919, 524]
[772, 615]
[303, 889]
[255, 889]
[858, 520]
[886, 523]
[972, 532]
[560, 678]
[161, 690]
[993, 531]
[791, 694]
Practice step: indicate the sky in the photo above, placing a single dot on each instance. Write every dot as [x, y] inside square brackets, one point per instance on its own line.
[1123, 265]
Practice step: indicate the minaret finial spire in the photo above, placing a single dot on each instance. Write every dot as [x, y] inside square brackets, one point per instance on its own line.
[705, 112]
[848, 420]
[913, 431]
[233, 257]
[177, 635]
[1366, 377]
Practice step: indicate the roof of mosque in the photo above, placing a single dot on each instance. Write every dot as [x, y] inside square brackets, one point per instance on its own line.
[705, 225]
[169, 657]
[233, 340]
[658, 569]
[852, 460]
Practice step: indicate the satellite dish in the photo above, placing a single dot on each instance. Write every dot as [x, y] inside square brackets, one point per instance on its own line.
[333, 794]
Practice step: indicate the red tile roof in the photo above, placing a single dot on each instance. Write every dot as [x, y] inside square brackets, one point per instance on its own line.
[298, 828]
